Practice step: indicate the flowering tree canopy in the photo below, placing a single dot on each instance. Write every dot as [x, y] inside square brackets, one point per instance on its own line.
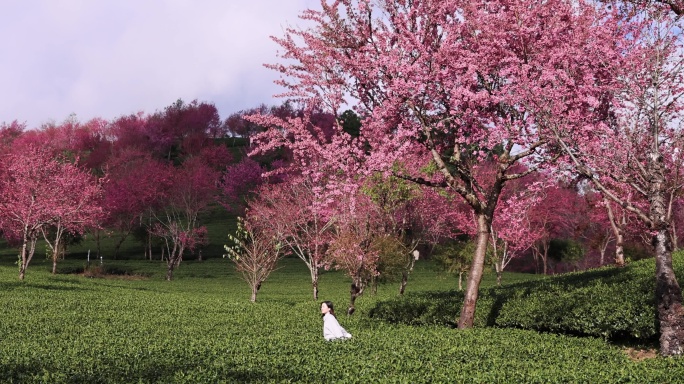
[38, 191]
[642, 131]
[447, 82]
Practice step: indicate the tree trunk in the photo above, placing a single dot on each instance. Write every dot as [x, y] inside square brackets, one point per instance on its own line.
[22, 271]
[460, 280]
[404, 281]
[26, 256]
[255, 289]
[314, 284]
[499, 273]
[171, 263]
[23, 258]
[97, 242]
[603, 248]
[618, 231]
[498, 261]
[675, 245]
[668, 292]
[668, 298]
[405, 274]
[541, 251]
[169, 271]
[355, 291]
[22, 267]
[148, 245]
[313, 271]
[619, 250]
[118, 245]
[55, 253]
[475, 275]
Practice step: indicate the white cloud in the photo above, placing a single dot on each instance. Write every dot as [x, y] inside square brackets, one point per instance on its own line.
[108, 58]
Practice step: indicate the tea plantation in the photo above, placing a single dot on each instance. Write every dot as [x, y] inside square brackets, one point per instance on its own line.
[201, 328]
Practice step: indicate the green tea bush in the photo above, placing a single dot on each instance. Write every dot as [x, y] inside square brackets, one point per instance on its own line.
[201, 328]
[612, 303]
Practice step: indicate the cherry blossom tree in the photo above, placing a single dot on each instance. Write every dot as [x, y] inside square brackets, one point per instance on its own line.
[136, 185]
[604, 214]
[86, 142]
[192, 190]
[299, 219]
[675, 6]
[129, 131]
[641, 132]
[239, 181]
[255, 252]
[182, 129]
[237, 125]
[77, 207]
[9, 132]
[216, 156]
[623, 224]
[513, 229]
[599, 233]
[354, 245]
[411, 215]
[553, 216]
[156, 161]
[395, 61]
[393, 198]
[677, 209]
[37, 191]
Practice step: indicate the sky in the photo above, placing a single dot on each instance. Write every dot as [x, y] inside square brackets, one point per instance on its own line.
[108, 58]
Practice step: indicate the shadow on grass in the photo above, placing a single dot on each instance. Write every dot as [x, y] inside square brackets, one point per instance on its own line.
[151, 371]
[12, 285]
[577, 304]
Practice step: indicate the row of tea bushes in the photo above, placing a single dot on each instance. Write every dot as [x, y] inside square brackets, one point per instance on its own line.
[609, 303]
[216, 343]
[70, 329]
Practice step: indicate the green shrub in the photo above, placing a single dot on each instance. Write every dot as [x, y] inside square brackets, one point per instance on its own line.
[567, 250]
[612, 303]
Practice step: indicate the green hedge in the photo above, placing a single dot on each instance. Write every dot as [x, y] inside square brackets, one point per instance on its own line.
[612, 303]
[201, 328]
[211, 341]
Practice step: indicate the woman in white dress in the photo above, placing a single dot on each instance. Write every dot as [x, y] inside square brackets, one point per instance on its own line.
[331, 328]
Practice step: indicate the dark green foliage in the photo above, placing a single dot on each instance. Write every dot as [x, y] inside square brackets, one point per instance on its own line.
[393, 256]
[567, 250]
[612, 303]
[455, 256]
[351, 123]
[234, 141]
[635, 251]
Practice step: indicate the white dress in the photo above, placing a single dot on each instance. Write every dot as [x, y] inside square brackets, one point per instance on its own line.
[332, 329]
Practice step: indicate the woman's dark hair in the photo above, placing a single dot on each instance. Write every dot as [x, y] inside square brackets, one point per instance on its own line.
[329, 304]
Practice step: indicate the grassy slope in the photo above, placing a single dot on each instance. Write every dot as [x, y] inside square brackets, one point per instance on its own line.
[613, 303]
[218, 221]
